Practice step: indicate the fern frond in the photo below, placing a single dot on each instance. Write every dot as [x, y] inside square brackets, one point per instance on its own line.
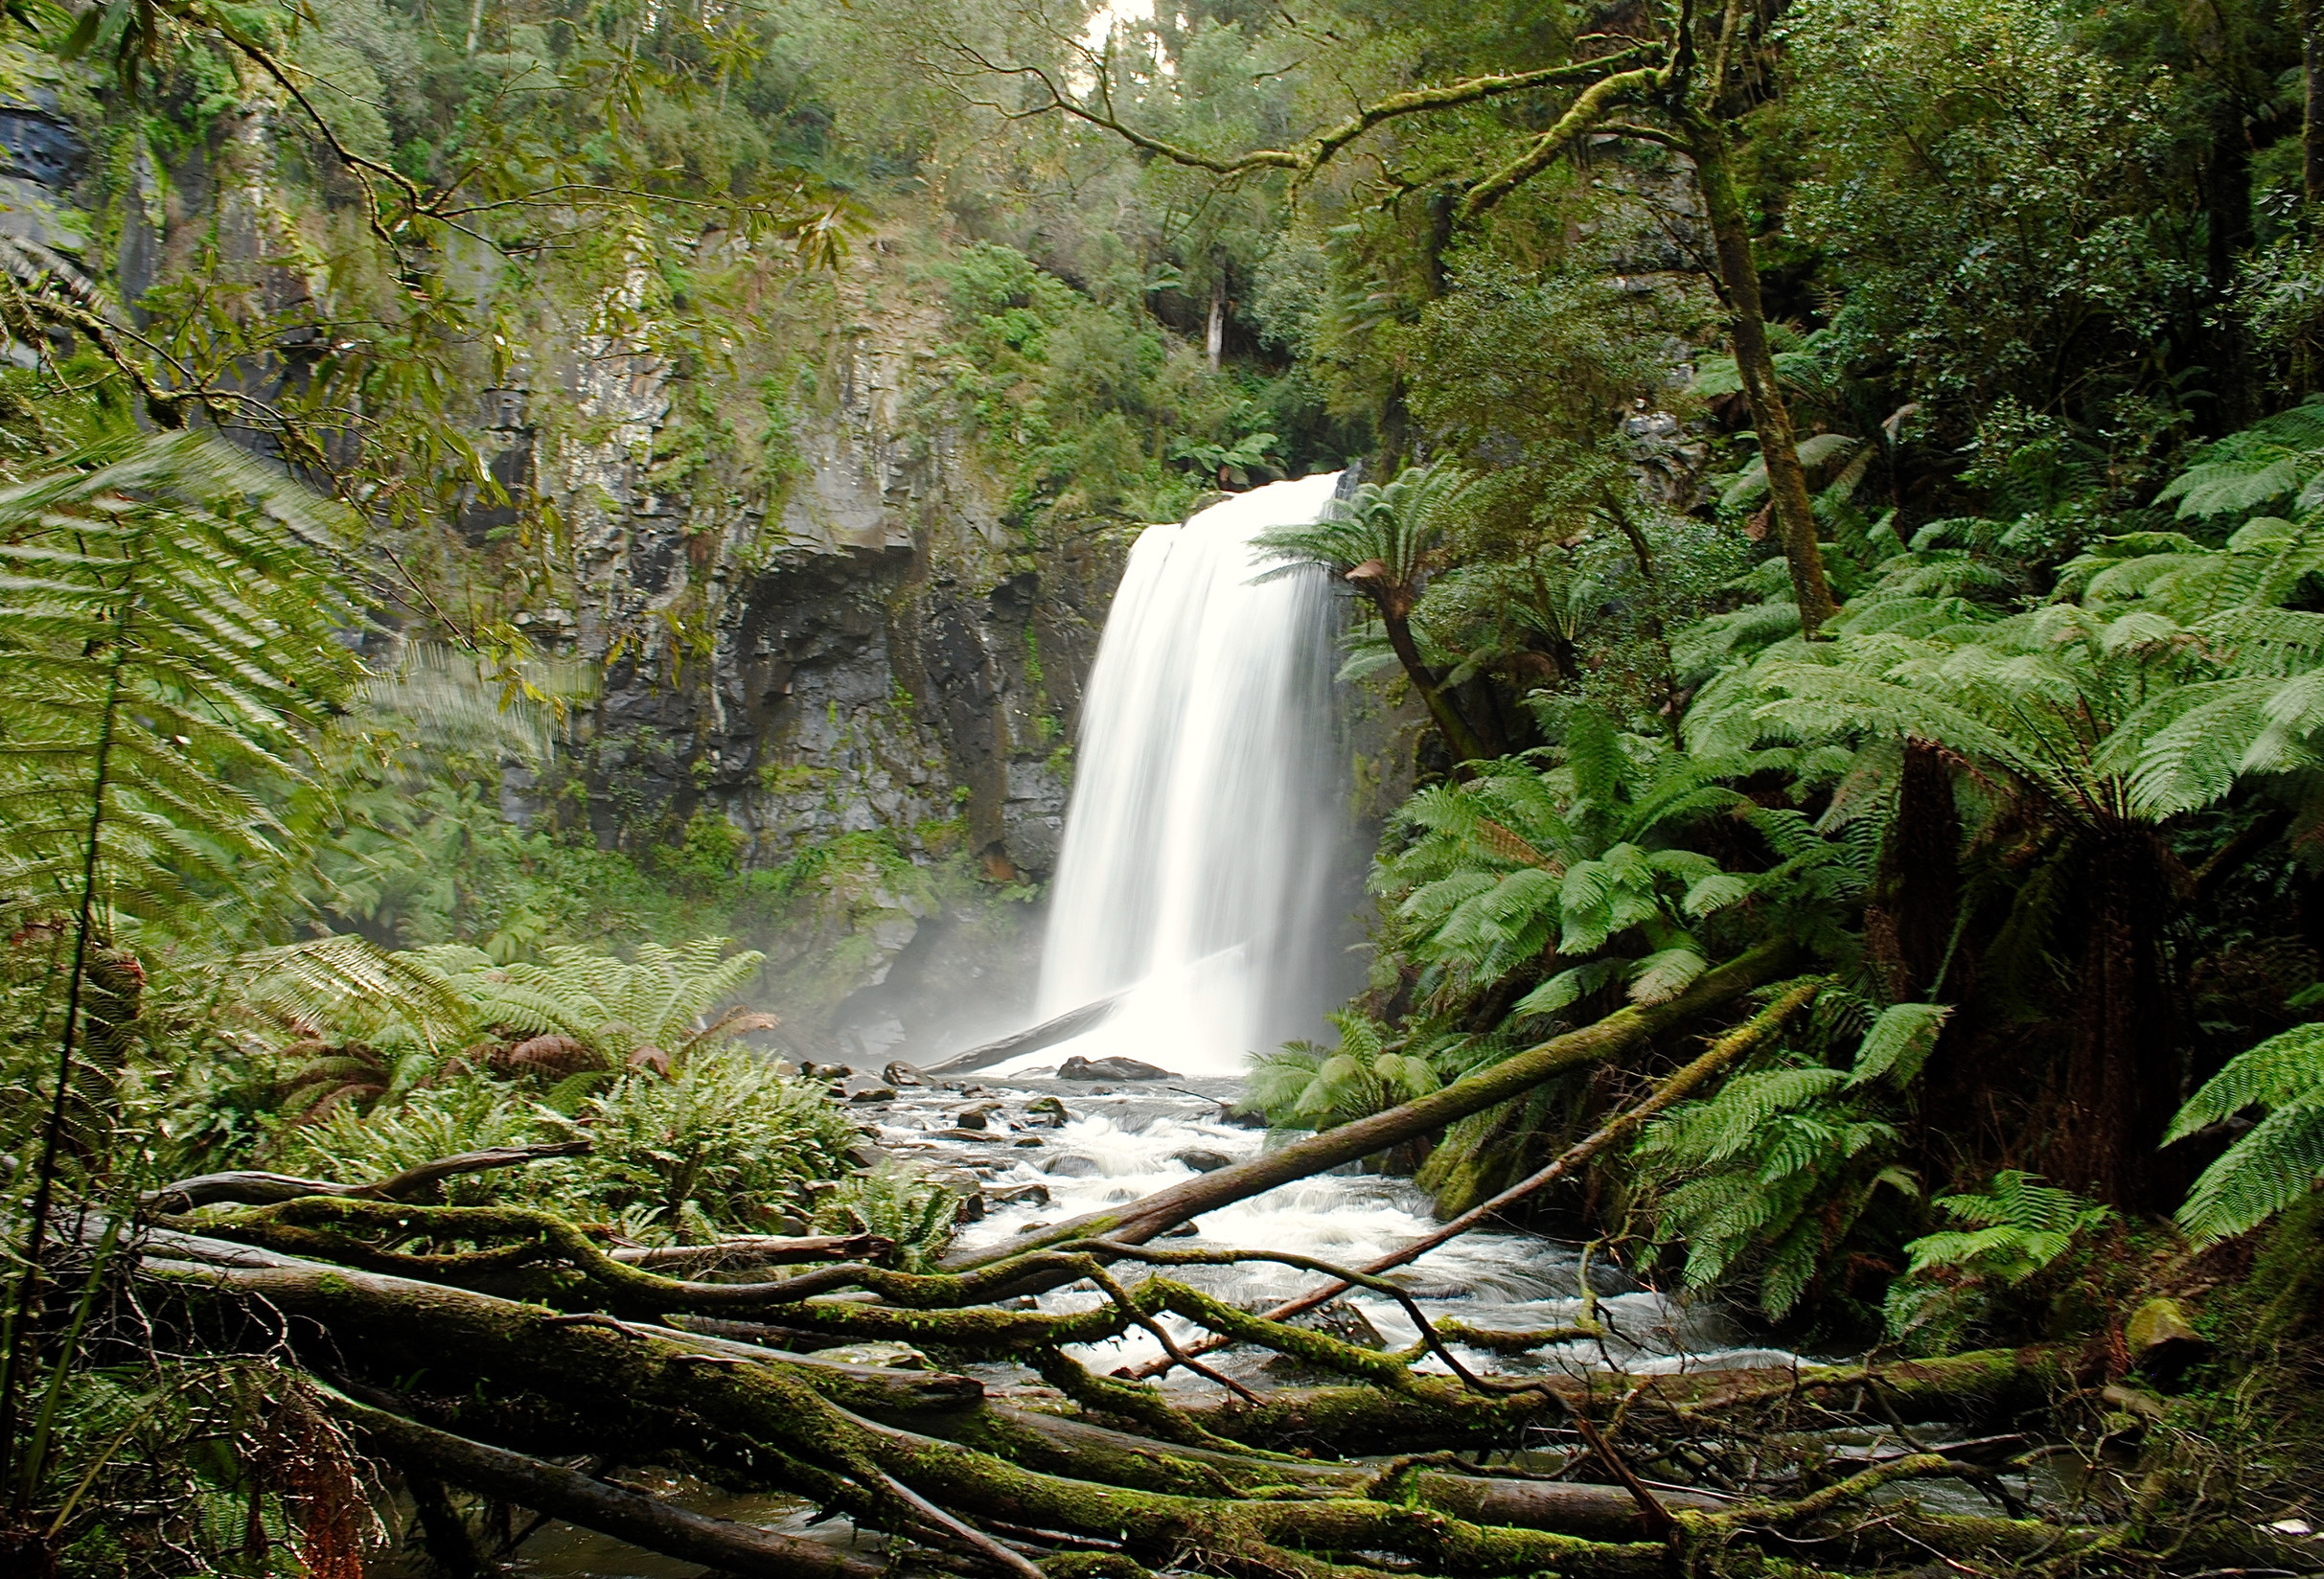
[1899, 1042]
[2287, 1069]
[2274, 1164]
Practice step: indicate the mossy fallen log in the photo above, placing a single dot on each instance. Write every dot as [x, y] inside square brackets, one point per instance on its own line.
[509, 1374]
[626, 1515]
[1438, 1412]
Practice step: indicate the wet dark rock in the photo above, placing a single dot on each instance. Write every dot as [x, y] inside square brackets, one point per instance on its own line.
[967, 1186]
[900, 1073]
[871, 1094]
[1184, 1230]
[978, 1117]
[1072, 1166]
[1026, 1195]
[864, 1154]
[1026, 1142]
[1345, 1322]
[1203, 1162]
[826, 1071]
[1110, 1069]
[1046, 1110]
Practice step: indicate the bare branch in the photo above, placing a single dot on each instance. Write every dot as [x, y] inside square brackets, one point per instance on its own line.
[1305, 157]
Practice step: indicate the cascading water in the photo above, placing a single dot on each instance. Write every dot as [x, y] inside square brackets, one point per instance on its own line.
[1207, 826]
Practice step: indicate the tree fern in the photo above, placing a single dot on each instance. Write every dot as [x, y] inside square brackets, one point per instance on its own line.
[1770, 1175]
[1898, 1041]
[168, 646]
[2275, 459]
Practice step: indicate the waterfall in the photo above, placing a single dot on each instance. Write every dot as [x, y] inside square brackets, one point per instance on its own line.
[1206, 833]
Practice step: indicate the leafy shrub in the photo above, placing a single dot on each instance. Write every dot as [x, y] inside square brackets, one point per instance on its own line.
[460, 1115]
[895, 1203]
[1307, 1086]
[714, 1148]
[2008, 1236]
[719, 1147]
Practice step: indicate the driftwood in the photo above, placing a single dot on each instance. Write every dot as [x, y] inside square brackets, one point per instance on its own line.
[1032, 1039]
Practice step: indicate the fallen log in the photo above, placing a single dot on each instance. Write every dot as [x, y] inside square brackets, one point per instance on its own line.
[1032, 1039]
[262, 1189]
[1997, 1384]
[179, 1258]
[1084, 1450]
[1675, 1087]
[634, 1391]
[753, 1250]
[1513, 1076]
[626, 1515]
[514, 1376]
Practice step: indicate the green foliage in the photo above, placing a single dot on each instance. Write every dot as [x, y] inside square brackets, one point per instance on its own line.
[1581, 867]
[1402, 526]
[171, 643]
[1306, 1086]
[896, 1204]
[722, 1145]
[2012, 1233]
[1769, 1177]
[2278, 1160]
[1071, 396]
[658, 1000]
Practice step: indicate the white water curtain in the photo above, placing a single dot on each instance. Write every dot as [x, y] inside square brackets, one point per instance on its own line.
[1208, 821]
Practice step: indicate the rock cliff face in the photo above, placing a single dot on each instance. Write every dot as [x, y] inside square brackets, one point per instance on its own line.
[870, 654]
[878, 656]
[844, 641]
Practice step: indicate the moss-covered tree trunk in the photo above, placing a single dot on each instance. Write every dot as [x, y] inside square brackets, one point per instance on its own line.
[1738, 274]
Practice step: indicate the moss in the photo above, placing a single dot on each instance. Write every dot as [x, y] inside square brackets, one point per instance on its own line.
[2284, 1295]
[1093, 1565]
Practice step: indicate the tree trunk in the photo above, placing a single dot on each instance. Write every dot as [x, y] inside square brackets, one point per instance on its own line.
[1747, 327]
[2122, 1078]
[2311, 105]
[1460, 739]
[1908, 925]
[1215, 334]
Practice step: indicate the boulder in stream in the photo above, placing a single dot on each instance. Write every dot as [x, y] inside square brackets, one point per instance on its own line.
[1203, 1162]
[1078, 1068]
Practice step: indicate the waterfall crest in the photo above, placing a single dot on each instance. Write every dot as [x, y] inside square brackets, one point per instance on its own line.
[1206, 828]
